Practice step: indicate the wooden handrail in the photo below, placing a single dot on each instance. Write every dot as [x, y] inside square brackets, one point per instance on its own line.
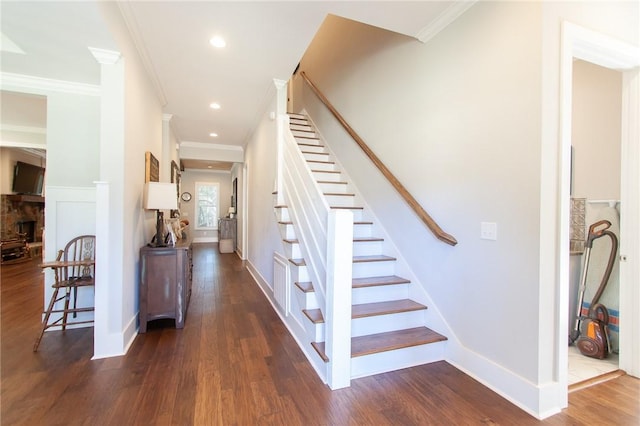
[417, 208]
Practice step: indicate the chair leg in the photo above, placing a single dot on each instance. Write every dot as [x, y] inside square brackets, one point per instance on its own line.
[66, 309]
[45, 321]
[75, 301]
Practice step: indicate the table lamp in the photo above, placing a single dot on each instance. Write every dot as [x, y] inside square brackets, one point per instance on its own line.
[160, 196]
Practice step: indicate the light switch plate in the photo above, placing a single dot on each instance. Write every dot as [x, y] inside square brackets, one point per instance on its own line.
[489, 231]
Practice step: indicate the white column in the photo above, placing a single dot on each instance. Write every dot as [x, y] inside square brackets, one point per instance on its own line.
[338, 310]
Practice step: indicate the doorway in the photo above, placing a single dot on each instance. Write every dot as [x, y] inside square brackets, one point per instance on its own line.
[595, 196]
[594, 48]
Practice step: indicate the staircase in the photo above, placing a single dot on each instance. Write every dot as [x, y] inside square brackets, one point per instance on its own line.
[387, 327]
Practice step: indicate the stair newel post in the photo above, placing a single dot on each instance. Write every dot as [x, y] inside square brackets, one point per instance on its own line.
[338, 298]
[282, 123]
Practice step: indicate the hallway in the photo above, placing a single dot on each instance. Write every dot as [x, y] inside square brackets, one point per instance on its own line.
[235, 363]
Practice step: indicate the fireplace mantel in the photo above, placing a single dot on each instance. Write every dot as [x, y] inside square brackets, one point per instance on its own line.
[24, 198]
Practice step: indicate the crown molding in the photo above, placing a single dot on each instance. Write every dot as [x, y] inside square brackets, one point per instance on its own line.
[443, 20]
[134, 32]
[29, 82]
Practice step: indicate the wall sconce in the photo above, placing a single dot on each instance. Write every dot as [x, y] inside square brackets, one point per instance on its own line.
[160, 196]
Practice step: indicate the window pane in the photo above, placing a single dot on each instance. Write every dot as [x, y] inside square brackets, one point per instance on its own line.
[207, 205]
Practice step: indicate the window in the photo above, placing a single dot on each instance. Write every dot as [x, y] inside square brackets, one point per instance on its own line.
[207, 205]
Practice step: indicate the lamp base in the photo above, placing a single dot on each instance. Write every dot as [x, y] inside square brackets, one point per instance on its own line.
[158, 240]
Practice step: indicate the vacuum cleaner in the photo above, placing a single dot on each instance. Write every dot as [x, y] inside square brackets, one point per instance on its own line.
[592, 337]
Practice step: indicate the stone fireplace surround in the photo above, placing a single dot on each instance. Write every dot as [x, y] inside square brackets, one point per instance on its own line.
[21, 213]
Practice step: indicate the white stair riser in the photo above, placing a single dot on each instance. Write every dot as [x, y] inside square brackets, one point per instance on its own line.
[319, 175]
[299, 133]
[337, 188]
[380, 293]
[293, 250]
[367, 248]
[395, 360]
[308, 147]
[287, 231]
[315, 331]
[305, 300]
[362, 230]
[299, 273]
[384, 323]
[341, 200]
[322, 166]
[316, 156]
[309, 140]
[302, 127]
[283, 214]
[373, 269]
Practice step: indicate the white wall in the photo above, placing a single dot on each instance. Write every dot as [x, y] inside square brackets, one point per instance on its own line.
[457, 121]
[260, 158]
[595, 134]
[187, 209]
[73, 133]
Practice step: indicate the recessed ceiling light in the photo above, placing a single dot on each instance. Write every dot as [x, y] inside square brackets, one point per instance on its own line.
[209, 166]
[215, 105]
[217, 41]
[213, 135]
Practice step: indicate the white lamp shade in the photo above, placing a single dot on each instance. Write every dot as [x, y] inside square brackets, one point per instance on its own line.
[160, 196]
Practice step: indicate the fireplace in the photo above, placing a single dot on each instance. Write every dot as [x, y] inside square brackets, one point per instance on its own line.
[28, 229]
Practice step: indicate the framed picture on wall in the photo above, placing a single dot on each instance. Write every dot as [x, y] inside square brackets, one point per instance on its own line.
[151, 168]
[175, 178]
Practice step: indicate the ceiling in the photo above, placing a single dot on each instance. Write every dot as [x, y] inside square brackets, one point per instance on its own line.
[264, 40]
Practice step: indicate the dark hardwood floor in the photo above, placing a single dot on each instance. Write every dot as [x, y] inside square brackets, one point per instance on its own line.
[234, 363]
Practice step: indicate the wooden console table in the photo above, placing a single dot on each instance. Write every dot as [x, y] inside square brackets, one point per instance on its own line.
[165, 283]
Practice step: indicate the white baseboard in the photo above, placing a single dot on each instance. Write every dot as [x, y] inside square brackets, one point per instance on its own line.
[540, 401]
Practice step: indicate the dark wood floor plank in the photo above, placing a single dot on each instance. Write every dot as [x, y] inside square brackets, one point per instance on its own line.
[235, 363]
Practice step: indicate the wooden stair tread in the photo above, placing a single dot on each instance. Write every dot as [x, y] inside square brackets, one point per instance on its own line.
[373, 258]
[338, 194]
[325, 171]
[315, 315]
[355, 240]
[285, 222]
[346, 208]
[367, 239]
[385, 308]
[315, 138]
[378, 281]
[305, 286]
[316, 153]
[332, 182]
[321, 162]
[371, 309]
[280, 206]
[298, 262]
[311, 144]
[383, 342]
